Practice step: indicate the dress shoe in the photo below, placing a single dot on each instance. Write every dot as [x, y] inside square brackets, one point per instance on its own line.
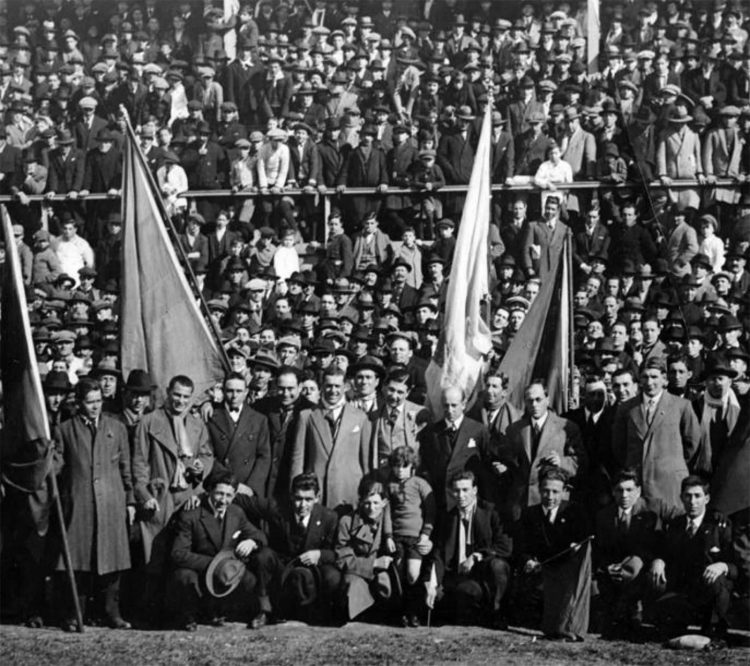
[413, 620]
[69, 626]
[404, 621]
[218, 621]
[259, 621]
[118, 623]
[34, 622]
[190, 626]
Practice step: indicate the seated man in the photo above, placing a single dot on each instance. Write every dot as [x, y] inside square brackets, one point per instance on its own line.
[470, 557]
[625, 535]
[553, 542]
[694, 570]
[201, 534]
[361, 551]
[302, 534]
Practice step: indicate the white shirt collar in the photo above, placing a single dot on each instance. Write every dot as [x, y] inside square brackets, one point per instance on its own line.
[457, 423]
[697, 521]
[540, 422]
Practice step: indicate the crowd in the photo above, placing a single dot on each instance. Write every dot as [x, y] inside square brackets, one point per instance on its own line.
[312, 482]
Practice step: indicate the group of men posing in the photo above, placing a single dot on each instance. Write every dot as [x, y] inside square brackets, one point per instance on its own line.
[326, 512]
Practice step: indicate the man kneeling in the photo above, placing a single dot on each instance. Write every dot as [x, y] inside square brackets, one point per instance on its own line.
[213, 545]
[470, 557]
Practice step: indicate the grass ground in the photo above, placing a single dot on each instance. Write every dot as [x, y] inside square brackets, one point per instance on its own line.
[354, 644]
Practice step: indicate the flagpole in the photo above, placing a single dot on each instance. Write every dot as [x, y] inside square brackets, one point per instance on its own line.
[178, 245]
[14, 267]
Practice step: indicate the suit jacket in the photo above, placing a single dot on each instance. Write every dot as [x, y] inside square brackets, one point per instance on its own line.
[456, 157]
[243, 447]
[279, 524]
[199, 535]
[652, 86]
[682, 244]
[549, 240]
[614, 544]
[86, 137]
[519, 114]
[584, 246]
[531, 151]
[305, 170]
[400, 161]
[442, 457]
[503, 157]
[579, 150]
[281, 438]
[558, 435]
[359, 171]
[664, 450]
[65, 174]
[386, 436]
[488, 538]
[507, 414]
[537, 539]
[103, 171]
[687, 557]
[200, 245]
[339, 462]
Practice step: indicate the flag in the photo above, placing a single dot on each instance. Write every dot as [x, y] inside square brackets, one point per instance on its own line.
[26, 435]
[541, 349]
[162, 329]
[465, 339]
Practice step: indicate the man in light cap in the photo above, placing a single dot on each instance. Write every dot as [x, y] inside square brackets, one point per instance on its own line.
[86, 130]
[658, 433]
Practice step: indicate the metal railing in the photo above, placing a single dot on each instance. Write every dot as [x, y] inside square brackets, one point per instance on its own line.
[359, 191]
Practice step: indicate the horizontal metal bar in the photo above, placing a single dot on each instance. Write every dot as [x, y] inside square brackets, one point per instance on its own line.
[359, 191]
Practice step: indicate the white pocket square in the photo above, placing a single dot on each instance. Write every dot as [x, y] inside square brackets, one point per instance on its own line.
[472, 444]
[356, 429]
[715, 549]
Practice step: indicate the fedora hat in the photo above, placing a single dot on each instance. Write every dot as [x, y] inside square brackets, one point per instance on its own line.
[106, 368]
[140, 381]
[56, 381]
[716, 364]
[266, 359]
[224, 573]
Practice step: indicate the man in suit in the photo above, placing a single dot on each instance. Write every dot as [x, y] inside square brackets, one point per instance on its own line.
[171, 456]
[219, 245]
[681, 242]
[333, 441]
[92, 459]
[397, 422]
[551, 541]
[542, 241]
[540, 438]
[625, 541]
[578, 148]
[367, 374]
[282, 411]
[239, 437]
[678, 156]
[594, 419]
[722, 150]
[521, 111]
[87, 129]
[470, 557]
[502, 150]
[302, 533]
[657, 433]
[694, 570]
[242, 81]
[455, 156]
[201, 534]
[195, 245]
[405, 296]
[493, 410]
[594, 240]
[453, 444]
[401, 352]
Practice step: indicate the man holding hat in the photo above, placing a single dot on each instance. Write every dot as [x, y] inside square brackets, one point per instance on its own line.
[212, 547]
[302, 534]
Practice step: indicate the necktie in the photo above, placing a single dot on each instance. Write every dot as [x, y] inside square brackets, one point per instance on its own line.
[691, 529]
[285, 416]
[650, 409]
[622, 522]
[219, 515]
[331, 422]
[536, 431]
[550, 517]
[463, 539]
[393, 416]
[92, 428]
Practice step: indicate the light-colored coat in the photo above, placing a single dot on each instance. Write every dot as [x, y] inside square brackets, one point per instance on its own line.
[386, 438]
[339, 464]
[95, 487]
[678, 156]
[155, 456]
[682, 244]
[719, 162]
[663, 450]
